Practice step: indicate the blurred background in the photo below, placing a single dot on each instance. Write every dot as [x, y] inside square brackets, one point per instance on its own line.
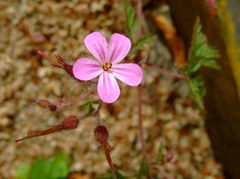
[172, 122]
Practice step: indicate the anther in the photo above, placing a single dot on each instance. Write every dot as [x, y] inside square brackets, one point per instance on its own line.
[107, 66]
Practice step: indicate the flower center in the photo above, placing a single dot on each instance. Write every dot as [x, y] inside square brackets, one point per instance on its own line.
[107, 66]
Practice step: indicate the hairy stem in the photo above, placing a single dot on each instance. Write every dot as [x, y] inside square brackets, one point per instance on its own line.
[165, 72]
[140, 122]
[64, 106]
[141, 129]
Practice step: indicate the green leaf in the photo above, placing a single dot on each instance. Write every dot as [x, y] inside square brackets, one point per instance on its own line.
[143, 171]
[197, 88]
[55, 168]
[211, 63]
[201, 53]
[22, 171]
[185, 70]
[194, 66]
[197, 64]
[60, 166]
[40, 169]
[131, 20]
[89, 105]
[143, 40]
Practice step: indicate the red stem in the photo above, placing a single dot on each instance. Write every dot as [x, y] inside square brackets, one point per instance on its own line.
[106, 148]
[45, 132]
[165, 72]
[140, 122]
[141, 129]
[64, 106]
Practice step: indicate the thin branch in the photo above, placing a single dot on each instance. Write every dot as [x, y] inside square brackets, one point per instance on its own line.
[64, 106]
[96, 114]
[140, 122]
[141, 129]
[57, 107]
[165, 72]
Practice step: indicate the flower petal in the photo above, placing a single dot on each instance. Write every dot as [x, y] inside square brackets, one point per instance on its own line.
[86, 69]
[128, 73]
[108, 89]
[118, 48]
[97, 44]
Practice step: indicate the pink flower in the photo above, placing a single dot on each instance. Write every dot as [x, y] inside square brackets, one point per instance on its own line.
[107, 66]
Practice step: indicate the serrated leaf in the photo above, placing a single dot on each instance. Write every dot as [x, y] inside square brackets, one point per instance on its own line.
[197, 88]
[143, 40]
[133, 29]
[131, 20]
[197, 64]
[201, 49]
[201, 54]
[211, 64]
[194, 66]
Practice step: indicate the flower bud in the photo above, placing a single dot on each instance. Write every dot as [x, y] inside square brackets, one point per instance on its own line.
[101, 134]
[70, 122]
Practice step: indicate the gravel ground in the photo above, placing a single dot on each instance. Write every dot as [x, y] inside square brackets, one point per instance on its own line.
[58, 27]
